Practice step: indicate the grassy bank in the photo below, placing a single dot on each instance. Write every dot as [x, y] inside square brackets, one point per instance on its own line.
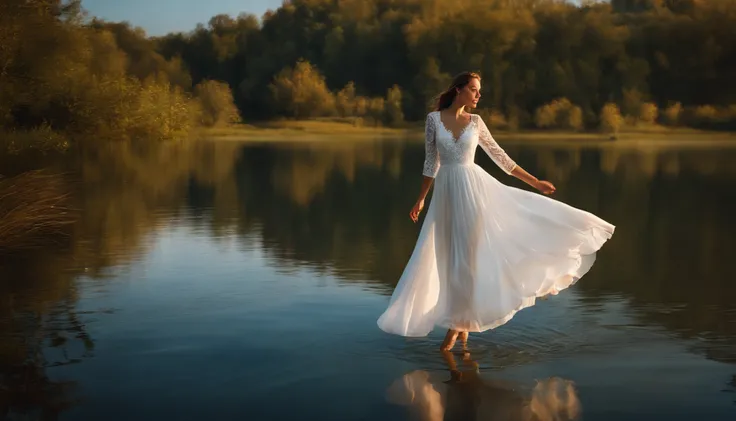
[326, 130]
[302, 130]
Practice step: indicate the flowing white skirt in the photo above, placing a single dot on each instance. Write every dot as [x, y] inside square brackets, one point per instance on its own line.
[487, 250]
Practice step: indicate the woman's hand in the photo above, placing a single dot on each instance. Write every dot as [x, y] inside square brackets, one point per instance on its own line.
[416, 210]
[545, 187]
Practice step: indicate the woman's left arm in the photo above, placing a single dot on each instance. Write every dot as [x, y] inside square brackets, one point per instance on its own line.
[501, 158]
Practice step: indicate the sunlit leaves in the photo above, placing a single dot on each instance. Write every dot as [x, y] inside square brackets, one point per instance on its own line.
[301, 92]
[216, 101]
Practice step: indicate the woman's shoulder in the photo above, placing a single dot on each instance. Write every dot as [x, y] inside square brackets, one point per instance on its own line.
[476, 118]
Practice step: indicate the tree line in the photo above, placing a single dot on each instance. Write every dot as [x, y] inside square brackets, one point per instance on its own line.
[64, 76]
[545, 64]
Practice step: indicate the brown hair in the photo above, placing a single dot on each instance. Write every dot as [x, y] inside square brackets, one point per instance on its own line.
[445, 99]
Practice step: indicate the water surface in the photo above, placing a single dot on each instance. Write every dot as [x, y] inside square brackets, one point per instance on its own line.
[243, 281]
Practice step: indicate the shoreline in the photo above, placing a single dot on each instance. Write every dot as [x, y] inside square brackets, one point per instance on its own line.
[330, 131]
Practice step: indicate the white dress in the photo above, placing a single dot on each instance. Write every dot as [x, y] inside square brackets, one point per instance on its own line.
[485, 250]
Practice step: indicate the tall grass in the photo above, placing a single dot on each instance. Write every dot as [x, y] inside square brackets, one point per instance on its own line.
[34, 210]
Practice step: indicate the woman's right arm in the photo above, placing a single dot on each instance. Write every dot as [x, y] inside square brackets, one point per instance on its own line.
[431, 166]
[424, 190]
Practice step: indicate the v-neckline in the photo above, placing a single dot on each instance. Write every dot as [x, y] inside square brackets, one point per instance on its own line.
[455, 139]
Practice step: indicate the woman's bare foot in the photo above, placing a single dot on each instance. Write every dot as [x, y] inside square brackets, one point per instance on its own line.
[449, 341]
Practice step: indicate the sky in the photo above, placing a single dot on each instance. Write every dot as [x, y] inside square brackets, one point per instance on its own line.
[159, 17]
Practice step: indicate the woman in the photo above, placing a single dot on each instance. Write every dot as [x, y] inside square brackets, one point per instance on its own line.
[485, 250]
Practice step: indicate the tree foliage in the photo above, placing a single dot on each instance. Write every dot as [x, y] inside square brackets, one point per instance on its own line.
[216, 102]
[382, 61]
[611, 119]
[530, 53]
[81, 78]
[301, 92]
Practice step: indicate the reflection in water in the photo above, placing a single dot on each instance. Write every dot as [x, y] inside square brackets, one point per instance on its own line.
[732, 386]
[127, 194]
[467, 395]
[670, 256]
[40, 328]
[343, 209]
[333, 208]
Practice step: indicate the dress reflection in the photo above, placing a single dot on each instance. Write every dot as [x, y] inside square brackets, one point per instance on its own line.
[468, 396]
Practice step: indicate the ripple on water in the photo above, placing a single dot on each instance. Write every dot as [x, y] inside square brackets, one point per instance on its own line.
[551, 331]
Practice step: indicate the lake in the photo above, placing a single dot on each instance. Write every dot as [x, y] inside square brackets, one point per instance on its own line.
[236, 281]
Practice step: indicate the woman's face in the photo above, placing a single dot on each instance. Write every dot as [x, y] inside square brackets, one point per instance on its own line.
[469, 95]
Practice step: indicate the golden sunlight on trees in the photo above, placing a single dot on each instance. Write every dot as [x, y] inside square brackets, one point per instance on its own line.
[345, 101]
[374, 64]
[216, 102]
[529, 53]
[611, 119]
[672, 114]
[301, 92]
[394, 114]
[559, 114]
[91, 81]
[648, 113]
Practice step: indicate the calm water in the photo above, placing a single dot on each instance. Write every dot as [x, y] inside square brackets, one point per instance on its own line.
[242, 282]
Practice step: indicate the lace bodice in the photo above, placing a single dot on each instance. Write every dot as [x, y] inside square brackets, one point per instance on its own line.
[441, 147]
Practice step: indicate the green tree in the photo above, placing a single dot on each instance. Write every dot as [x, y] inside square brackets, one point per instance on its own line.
[560, 113]
[301, 92]
[345, 101]
[216, 102]
[672, 114]
[394, 114]
[648, 113]
[611, 119]
[530, 53]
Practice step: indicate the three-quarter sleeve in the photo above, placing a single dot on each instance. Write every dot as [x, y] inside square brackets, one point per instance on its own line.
[431, 158]
[491, 148]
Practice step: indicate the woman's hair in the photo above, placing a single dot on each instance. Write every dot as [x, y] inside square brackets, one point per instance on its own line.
[445, 99]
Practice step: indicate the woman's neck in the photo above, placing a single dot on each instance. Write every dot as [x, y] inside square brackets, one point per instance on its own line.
[456, 110]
